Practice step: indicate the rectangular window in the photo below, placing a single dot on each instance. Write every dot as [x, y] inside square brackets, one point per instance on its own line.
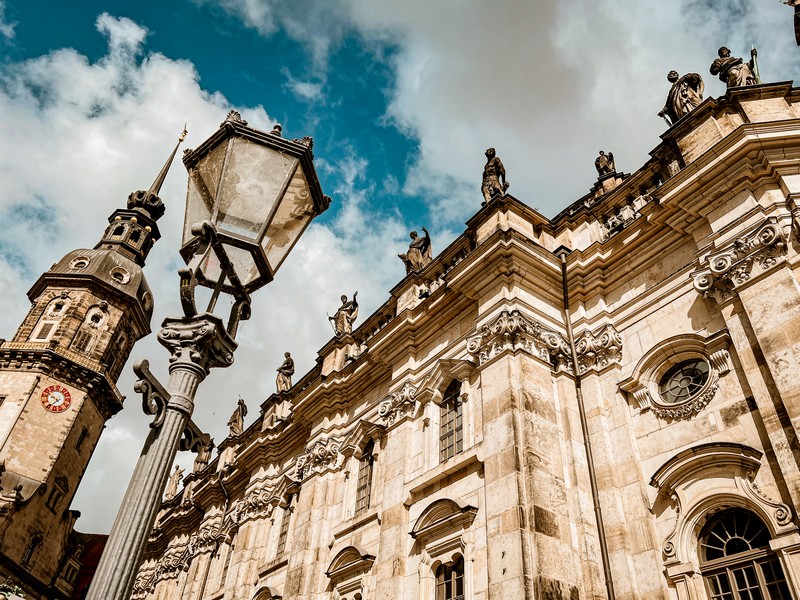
[82, 341]
[54, 498]
[227, 565]
[2, 400]
[81, 439]
[284, 532]
[451, 429]
[364, 485]
[32, 546]
[45, 330]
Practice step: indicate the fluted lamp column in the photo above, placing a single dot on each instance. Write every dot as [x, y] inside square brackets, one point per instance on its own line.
[251, 195]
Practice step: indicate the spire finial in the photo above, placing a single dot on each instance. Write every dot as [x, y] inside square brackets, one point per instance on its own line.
[156, 187]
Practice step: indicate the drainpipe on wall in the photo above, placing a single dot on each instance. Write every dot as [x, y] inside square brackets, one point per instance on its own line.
[562, 253]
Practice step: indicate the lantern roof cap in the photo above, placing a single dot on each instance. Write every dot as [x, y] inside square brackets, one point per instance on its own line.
[235, 126]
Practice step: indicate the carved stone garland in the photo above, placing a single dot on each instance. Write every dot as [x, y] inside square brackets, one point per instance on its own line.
[723, 271]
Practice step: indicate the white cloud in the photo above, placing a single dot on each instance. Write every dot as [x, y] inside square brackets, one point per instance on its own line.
[309, 91]
[6, 28]
[548, 84]
[78, 137]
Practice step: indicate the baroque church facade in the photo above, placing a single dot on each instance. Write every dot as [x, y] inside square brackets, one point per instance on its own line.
[601, 404]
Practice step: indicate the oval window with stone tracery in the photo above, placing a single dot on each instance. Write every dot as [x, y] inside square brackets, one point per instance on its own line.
[683, 381]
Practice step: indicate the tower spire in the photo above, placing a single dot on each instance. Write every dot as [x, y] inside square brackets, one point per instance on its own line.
[159, 181]
[133, 231]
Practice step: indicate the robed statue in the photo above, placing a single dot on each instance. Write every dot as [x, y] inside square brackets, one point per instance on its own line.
[236, 422]
[203, 456]
[605, 164]
[173, 483]
[494, 177]
[285, 372]
[419, 253]
[343, 318]
[734, 71]
[684, 95]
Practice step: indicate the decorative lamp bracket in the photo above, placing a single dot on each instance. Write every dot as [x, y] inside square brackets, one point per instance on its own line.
[154, 402]
[154, 396]
[208, 242]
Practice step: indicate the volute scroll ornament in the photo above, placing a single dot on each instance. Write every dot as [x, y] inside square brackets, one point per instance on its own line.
[723, 271]
[322, 455]
[510, 330]
[398, 404]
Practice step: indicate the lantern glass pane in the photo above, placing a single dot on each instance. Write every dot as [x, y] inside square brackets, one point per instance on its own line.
[251, 184]
[293, 215]
[243, 264]
[203, 182]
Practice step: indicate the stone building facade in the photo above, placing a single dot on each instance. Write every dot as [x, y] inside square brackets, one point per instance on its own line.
[552, 408]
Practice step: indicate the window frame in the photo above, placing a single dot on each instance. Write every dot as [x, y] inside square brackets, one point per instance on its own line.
[451, 423]
[366, 474]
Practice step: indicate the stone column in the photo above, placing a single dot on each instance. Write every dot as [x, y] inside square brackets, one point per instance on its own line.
[196, 345]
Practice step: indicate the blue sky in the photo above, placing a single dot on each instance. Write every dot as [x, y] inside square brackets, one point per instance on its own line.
[402, 99]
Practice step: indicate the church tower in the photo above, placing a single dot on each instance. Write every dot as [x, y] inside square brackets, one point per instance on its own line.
[58, 388]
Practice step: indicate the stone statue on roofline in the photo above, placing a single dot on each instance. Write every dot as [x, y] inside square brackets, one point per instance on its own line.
[236, 422]
[494, 177]
[285, 372]
[342, 320]
[684, 96]
[734, 72]
[419, 254]
[203, 456]
[174, 482]
[604, 164]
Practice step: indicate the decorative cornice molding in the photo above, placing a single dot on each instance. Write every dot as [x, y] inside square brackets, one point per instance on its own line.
[398, 404]
[511, 330]
[321, 456]
[596, 350]
[722, 271]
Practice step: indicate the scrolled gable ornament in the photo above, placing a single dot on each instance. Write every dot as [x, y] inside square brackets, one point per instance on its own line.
[752, 254]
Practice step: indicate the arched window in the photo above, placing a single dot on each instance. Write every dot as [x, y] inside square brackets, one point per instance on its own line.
[736, 560]
[364, 486]
[450, 580]
[451, 423]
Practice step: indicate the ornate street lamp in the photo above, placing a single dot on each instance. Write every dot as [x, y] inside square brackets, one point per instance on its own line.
[251, 195]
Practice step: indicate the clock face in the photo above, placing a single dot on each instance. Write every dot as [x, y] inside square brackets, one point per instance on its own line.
[56, 398]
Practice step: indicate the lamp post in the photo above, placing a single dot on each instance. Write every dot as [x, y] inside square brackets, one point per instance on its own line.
[251, 195]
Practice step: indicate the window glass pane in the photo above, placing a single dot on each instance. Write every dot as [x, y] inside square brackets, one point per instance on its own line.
[775, 580]
[683, 381]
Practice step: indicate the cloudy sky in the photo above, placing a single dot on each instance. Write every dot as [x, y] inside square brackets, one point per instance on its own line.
[402, 99]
